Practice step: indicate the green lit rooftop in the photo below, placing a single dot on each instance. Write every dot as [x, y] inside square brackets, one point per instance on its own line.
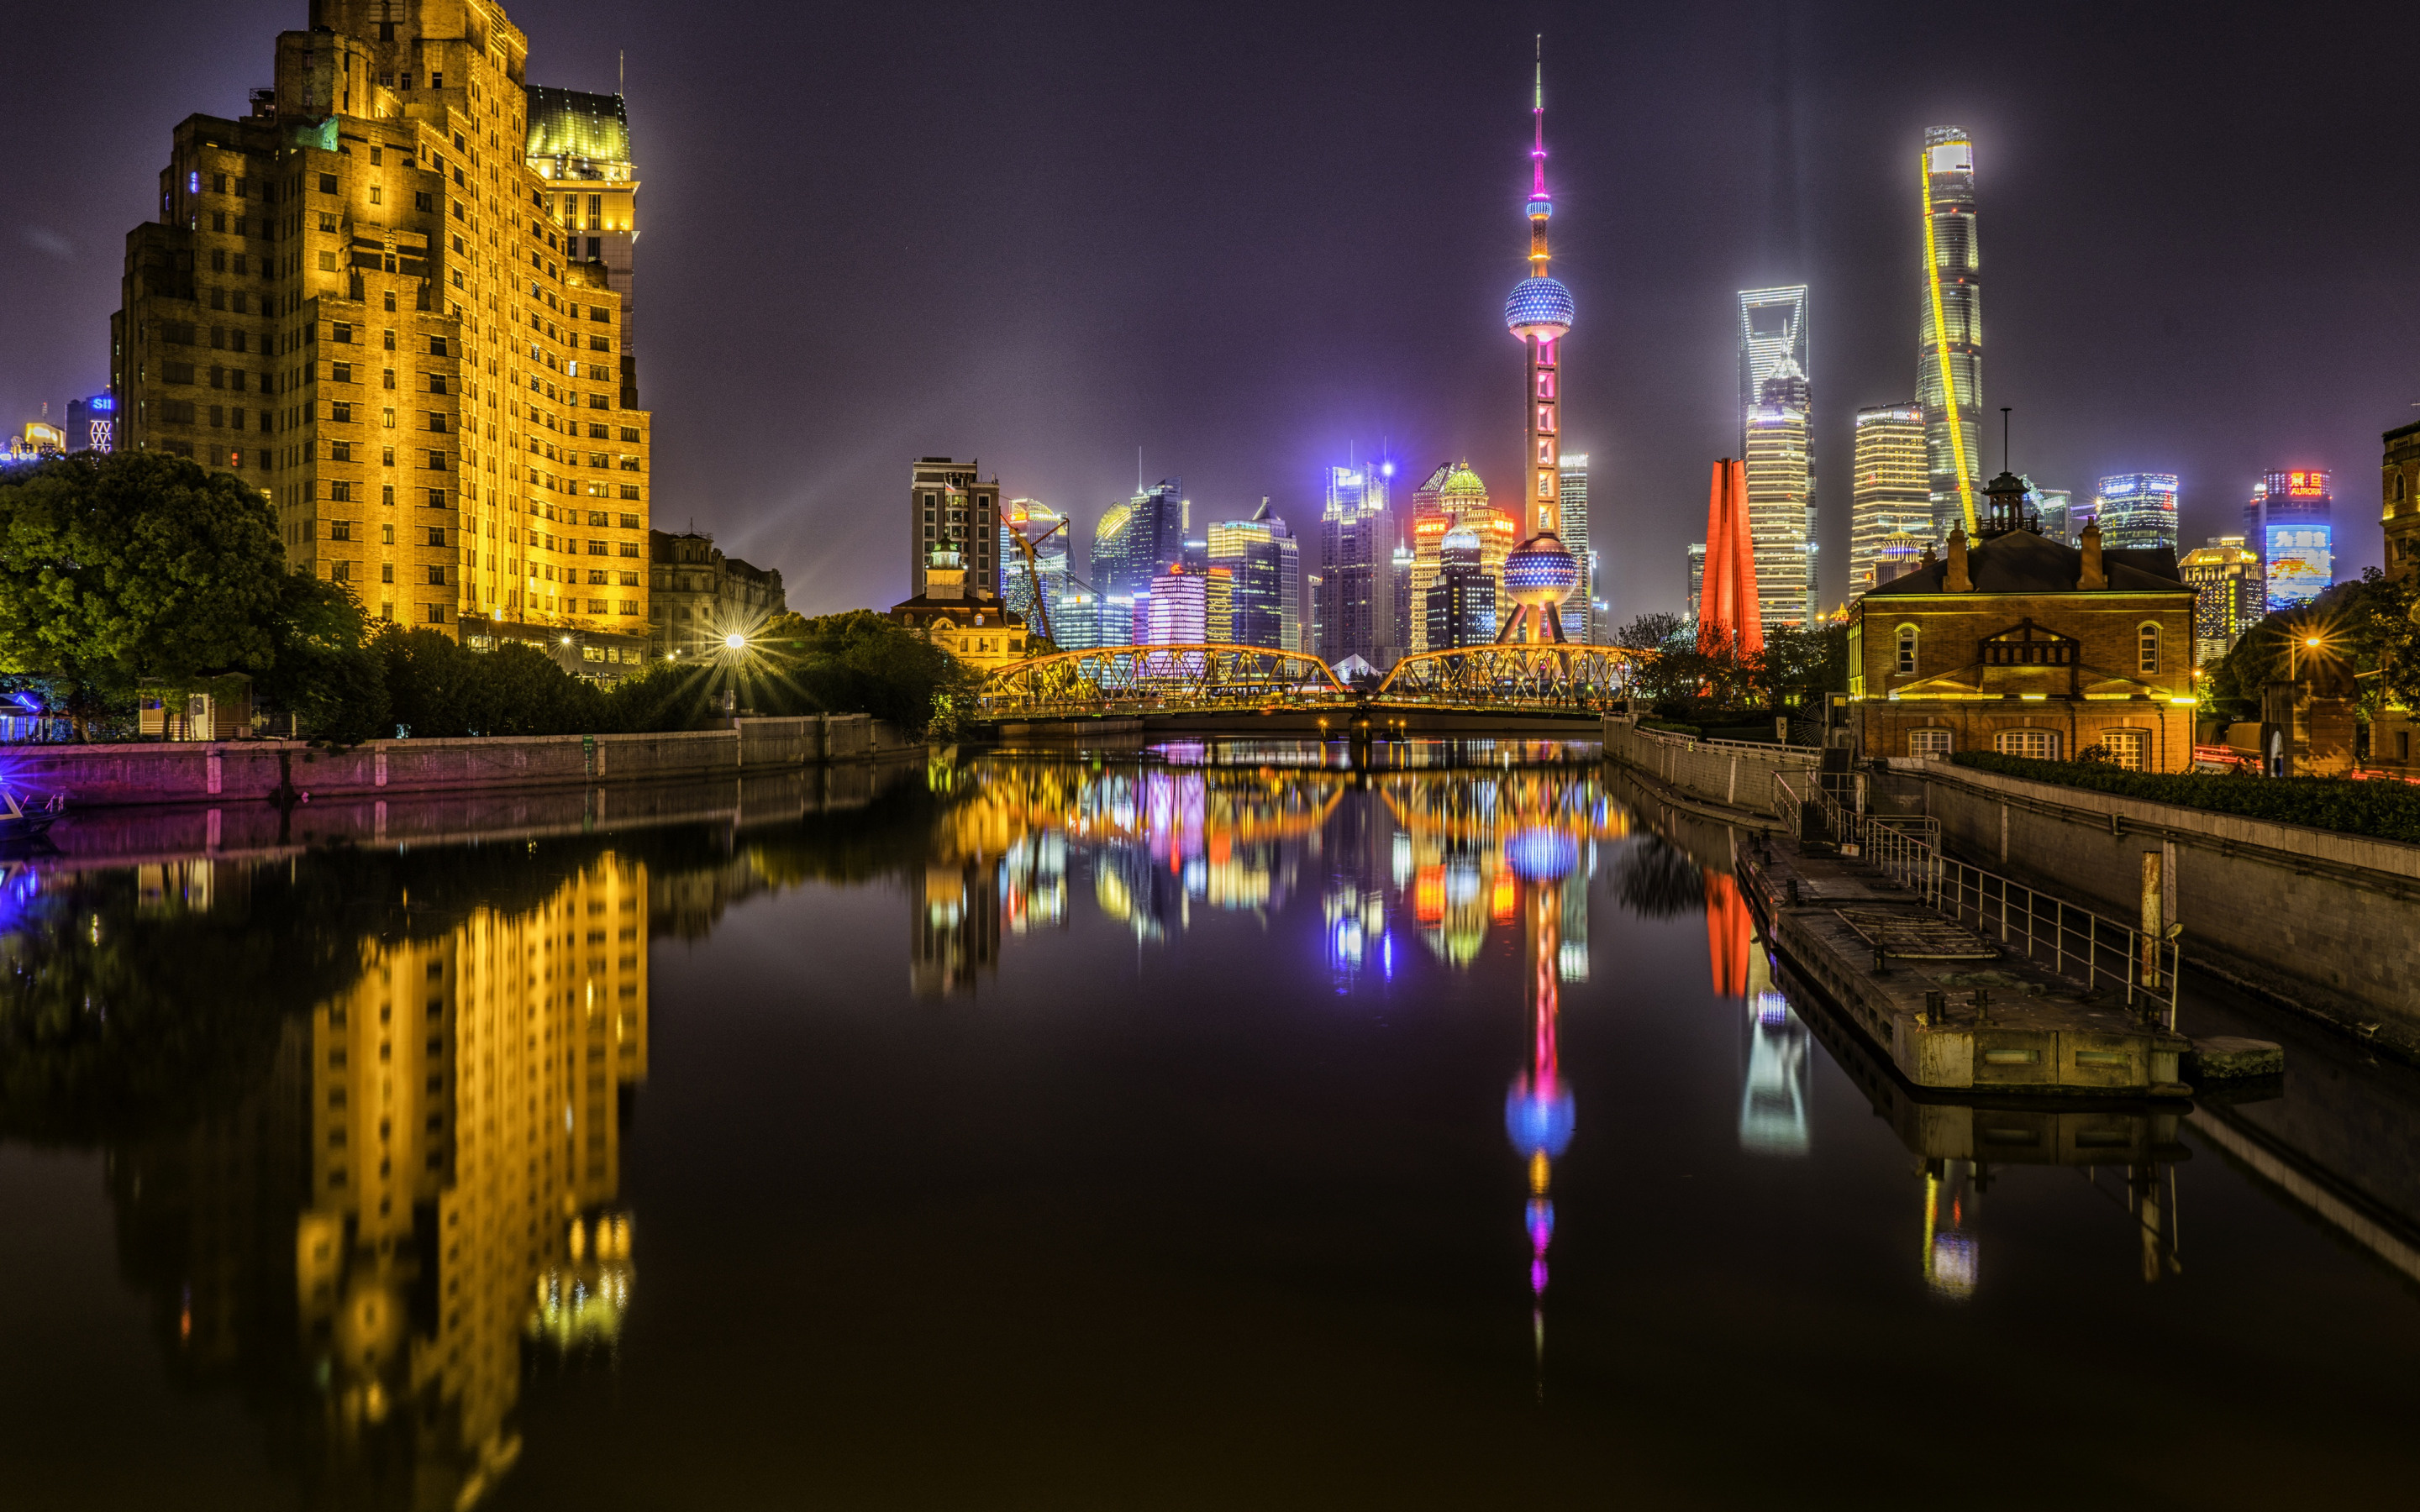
[568, 123]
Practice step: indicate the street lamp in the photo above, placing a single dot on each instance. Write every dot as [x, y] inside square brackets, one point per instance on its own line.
[734, 641]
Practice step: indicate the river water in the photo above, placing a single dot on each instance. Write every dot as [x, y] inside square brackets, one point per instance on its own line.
[1205, 1127]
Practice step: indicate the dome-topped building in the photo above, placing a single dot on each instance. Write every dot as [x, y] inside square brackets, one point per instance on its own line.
[1541, 573]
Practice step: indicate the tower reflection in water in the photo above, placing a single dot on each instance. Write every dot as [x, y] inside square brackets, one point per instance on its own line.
[452, 1202]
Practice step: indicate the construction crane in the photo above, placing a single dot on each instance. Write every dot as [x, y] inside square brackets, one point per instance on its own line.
[1034, 574]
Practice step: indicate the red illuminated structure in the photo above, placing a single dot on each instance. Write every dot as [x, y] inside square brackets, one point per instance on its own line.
[1728, 617]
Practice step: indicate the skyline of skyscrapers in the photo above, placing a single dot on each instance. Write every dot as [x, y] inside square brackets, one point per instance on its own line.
[1460, 607]
[1889, 491]
[1951, 330]
[1045, 528]
[2137, 510]
[1138, 539]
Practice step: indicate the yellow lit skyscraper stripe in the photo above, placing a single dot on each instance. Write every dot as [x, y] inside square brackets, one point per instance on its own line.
[1941, 344]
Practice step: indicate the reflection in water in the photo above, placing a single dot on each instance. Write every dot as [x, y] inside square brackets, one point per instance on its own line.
[412, 1179]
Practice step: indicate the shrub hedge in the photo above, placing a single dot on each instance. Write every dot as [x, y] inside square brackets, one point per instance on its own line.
[2379, 809]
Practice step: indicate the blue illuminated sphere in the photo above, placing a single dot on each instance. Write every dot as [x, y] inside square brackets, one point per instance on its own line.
[1539, 307]
[1541, 854]
[1539, 1118]
[1540, 572]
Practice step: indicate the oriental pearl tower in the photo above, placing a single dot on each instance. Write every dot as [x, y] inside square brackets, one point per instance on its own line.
[1541, 573]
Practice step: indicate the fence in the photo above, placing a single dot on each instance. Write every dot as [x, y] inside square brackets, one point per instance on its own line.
[2140, 964]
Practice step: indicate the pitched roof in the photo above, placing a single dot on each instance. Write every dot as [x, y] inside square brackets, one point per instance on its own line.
[2024, 562]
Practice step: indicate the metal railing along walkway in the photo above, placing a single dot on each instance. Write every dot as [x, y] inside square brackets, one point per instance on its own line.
[2072, 941]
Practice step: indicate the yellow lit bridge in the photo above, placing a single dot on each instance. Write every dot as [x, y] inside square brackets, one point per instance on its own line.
[1469, 687]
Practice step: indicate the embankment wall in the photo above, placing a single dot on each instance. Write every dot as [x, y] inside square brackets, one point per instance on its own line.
[234, 771]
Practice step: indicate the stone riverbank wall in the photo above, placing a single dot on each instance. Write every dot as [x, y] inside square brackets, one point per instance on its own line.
[1732, 774]
[237, 770]
[2325, 923]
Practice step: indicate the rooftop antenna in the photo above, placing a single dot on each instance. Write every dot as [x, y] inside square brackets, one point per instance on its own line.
[1137, 470]
[2004, 438]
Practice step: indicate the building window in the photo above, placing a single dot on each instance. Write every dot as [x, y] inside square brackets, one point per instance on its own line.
[2129, 749]
[2037, 744]
[2146, 647]
[1907, 667]
[1933, 741]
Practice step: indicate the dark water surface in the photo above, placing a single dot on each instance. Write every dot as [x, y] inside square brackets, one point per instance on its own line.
[1216, 1129]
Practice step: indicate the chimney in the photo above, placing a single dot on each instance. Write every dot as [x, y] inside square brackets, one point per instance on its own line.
[2094, 574]
[1956, 580]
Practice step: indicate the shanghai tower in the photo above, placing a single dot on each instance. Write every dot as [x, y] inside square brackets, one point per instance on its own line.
[1952, 327]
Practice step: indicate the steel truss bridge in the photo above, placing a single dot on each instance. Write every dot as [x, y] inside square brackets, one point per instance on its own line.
[1129, 680]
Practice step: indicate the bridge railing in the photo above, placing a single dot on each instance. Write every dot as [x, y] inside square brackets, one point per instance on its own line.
[1515, 674]
[1128, 679]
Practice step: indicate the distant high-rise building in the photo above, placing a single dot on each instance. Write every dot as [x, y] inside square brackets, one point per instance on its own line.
[1315, 633]
[2137, 510]
[1889, 493]
[1177, 613]
[1780, 515]
[1219, 605]
[2228, 595]
[1076, 620]
[1773, 330]
[1582, 616]
[1952, 331]
[1696, 575]
[1461, 606]
[580, 144]
[92, 423]
[1260, 553]
[1357, 568]
[1453, 495]
[1139, 539]
[948, 501]
[2291, 523]
[1045, 527]
[1405, 612]
[2056, 508]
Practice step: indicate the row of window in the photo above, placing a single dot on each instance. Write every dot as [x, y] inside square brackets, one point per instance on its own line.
[2019, 653]
[2129, 749]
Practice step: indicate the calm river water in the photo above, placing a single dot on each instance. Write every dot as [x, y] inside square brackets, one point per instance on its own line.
[1196, 1128]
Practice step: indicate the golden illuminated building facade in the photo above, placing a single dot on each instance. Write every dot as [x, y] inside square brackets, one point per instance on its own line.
[464, 1165]
[364, 298]
[1454, 495]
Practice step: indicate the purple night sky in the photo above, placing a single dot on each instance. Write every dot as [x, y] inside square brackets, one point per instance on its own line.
[1248, 238]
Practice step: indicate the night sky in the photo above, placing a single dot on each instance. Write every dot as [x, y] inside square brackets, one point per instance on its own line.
[1248, 238]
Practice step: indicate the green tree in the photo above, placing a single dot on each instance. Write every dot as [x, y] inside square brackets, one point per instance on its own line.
[119, 567]
[326, 669]
[1801, 665]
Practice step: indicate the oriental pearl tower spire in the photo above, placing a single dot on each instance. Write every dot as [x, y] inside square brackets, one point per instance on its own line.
[1541, 573]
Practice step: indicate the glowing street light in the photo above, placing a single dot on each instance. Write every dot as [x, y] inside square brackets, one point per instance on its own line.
[734, 641]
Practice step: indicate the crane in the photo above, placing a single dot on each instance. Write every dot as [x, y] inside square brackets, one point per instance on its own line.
[1034, 574]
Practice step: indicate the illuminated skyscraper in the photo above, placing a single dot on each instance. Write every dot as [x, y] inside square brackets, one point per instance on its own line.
[580, 144]
[362, 300]
[1583, 624]
[1888, 491]
[2137, 510]
[1541, 573]
[92, 423]
[1780, 509]
[1455, 495]
[1773, 330]
[1177, 613]
[2056, 507]
[2291, 522]
[1460, 607]
[1261, 554]
[1357, 567]
[1138, 539]
[1951, 327]
[1696, 575]
[2230, 596]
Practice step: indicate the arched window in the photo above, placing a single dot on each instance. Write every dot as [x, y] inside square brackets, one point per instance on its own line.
[1906, 650]
[2146, 647]
[1932, 740]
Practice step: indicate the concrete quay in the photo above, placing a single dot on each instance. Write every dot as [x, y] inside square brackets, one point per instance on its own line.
[1950, 1010]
